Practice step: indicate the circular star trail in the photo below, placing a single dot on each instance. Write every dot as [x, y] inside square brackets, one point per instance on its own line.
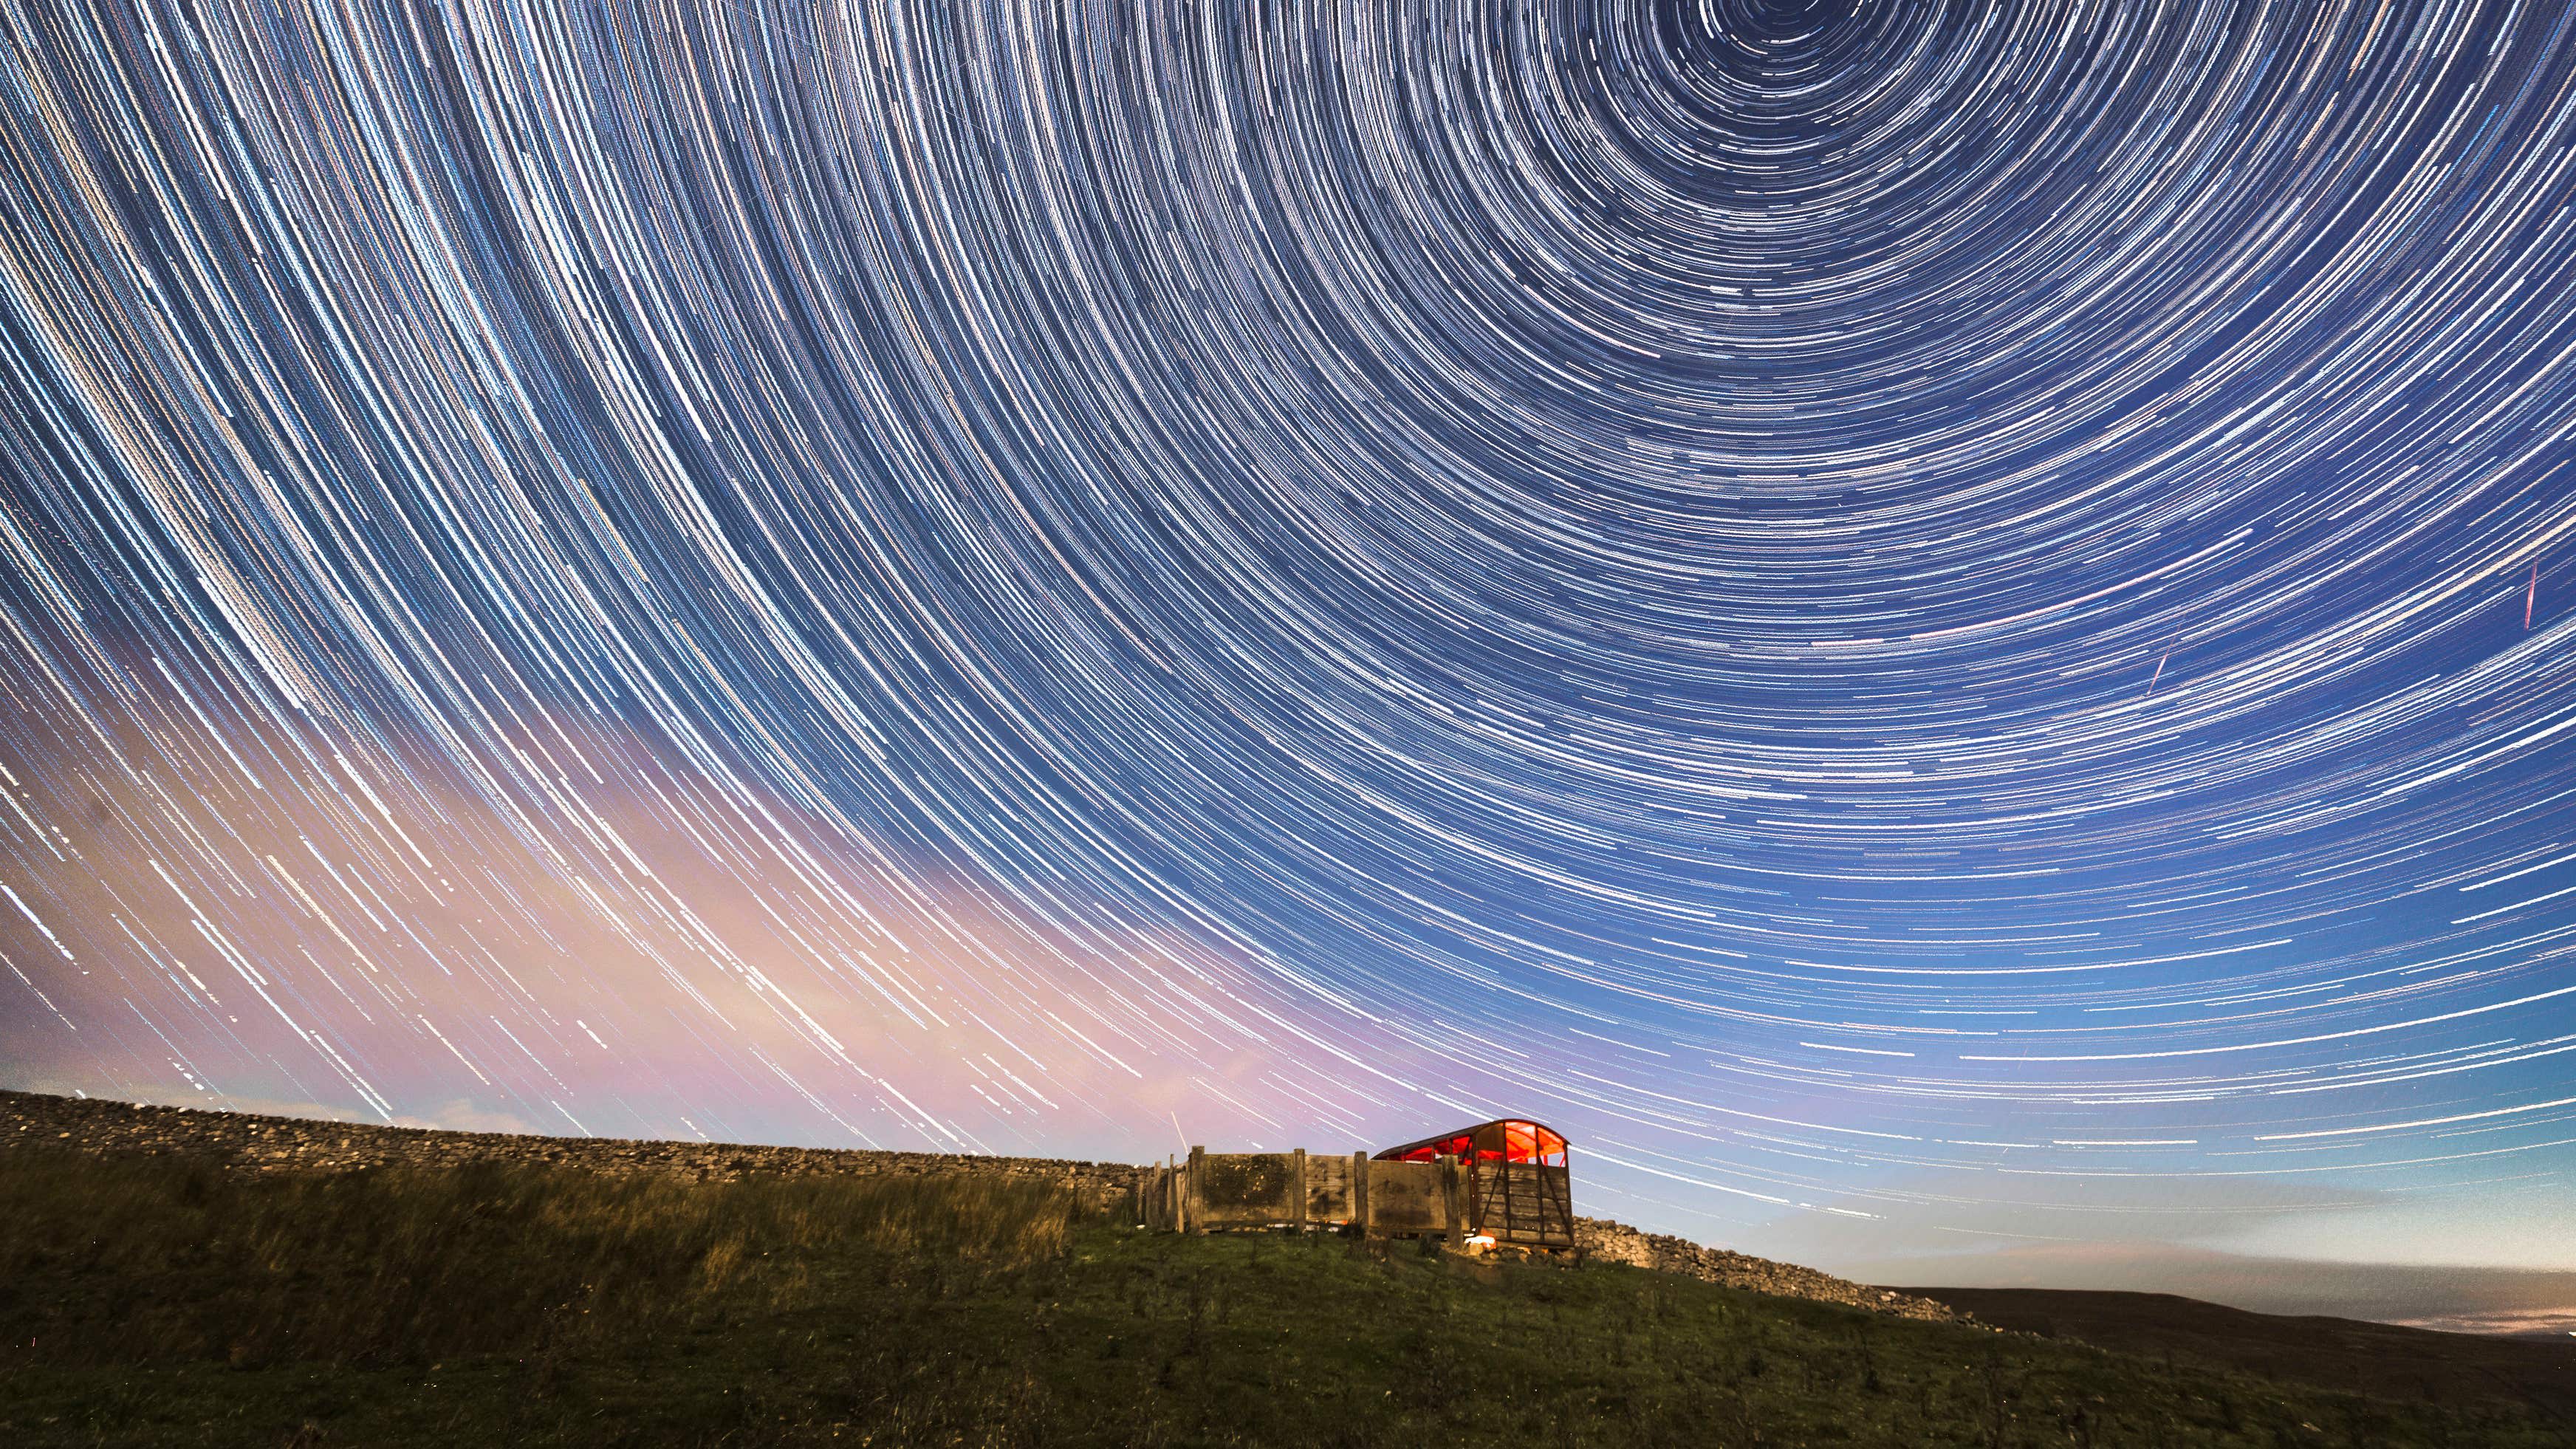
[1949, 615]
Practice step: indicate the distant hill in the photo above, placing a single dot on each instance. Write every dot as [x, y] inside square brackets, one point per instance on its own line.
[199, 1278]
[2379, 1359]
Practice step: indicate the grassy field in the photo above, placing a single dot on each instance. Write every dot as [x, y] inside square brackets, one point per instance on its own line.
[155, 1302]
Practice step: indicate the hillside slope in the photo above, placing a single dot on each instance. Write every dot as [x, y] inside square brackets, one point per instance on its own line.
[2367, 1358]
[173, 1298]
[255, 1143]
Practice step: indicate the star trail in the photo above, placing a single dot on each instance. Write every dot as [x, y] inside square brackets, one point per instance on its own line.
[1921, 623]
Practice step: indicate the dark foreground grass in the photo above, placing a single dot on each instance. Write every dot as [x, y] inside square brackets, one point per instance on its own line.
[153, 1303]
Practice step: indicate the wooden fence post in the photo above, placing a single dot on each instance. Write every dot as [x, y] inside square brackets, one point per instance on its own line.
[1360, 1192]
[1196, 1207]
[1453, 1198]
[1297, 1189]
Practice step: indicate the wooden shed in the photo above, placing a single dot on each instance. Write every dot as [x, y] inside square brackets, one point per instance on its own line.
[1519, 1189]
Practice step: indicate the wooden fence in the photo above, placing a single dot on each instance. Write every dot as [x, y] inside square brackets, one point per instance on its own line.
[1219, 1190]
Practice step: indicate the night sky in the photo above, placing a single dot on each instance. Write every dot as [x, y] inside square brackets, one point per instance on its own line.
[1945, 632]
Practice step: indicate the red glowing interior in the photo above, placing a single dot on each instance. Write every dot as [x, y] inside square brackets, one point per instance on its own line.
[1504, 1141]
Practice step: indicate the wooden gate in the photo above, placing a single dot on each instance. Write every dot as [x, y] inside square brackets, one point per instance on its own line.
[1506, 1182]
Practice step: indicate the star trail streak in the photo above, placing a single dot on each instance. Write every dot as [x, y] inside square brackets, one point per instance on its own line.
[1934, 616]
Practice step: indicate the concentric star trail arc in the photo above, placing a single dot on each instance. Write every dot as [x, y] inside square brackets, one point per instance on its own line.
[1848, 601]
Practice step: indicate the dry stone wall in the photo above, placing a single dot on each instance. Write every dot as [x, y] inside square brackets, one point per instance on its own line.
[269, 1144]
[1618, 1243]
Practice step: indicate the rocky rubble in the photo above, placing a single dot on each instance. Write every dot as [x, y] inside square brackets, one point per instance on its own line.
[1619, 1243]
[270, 1144]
